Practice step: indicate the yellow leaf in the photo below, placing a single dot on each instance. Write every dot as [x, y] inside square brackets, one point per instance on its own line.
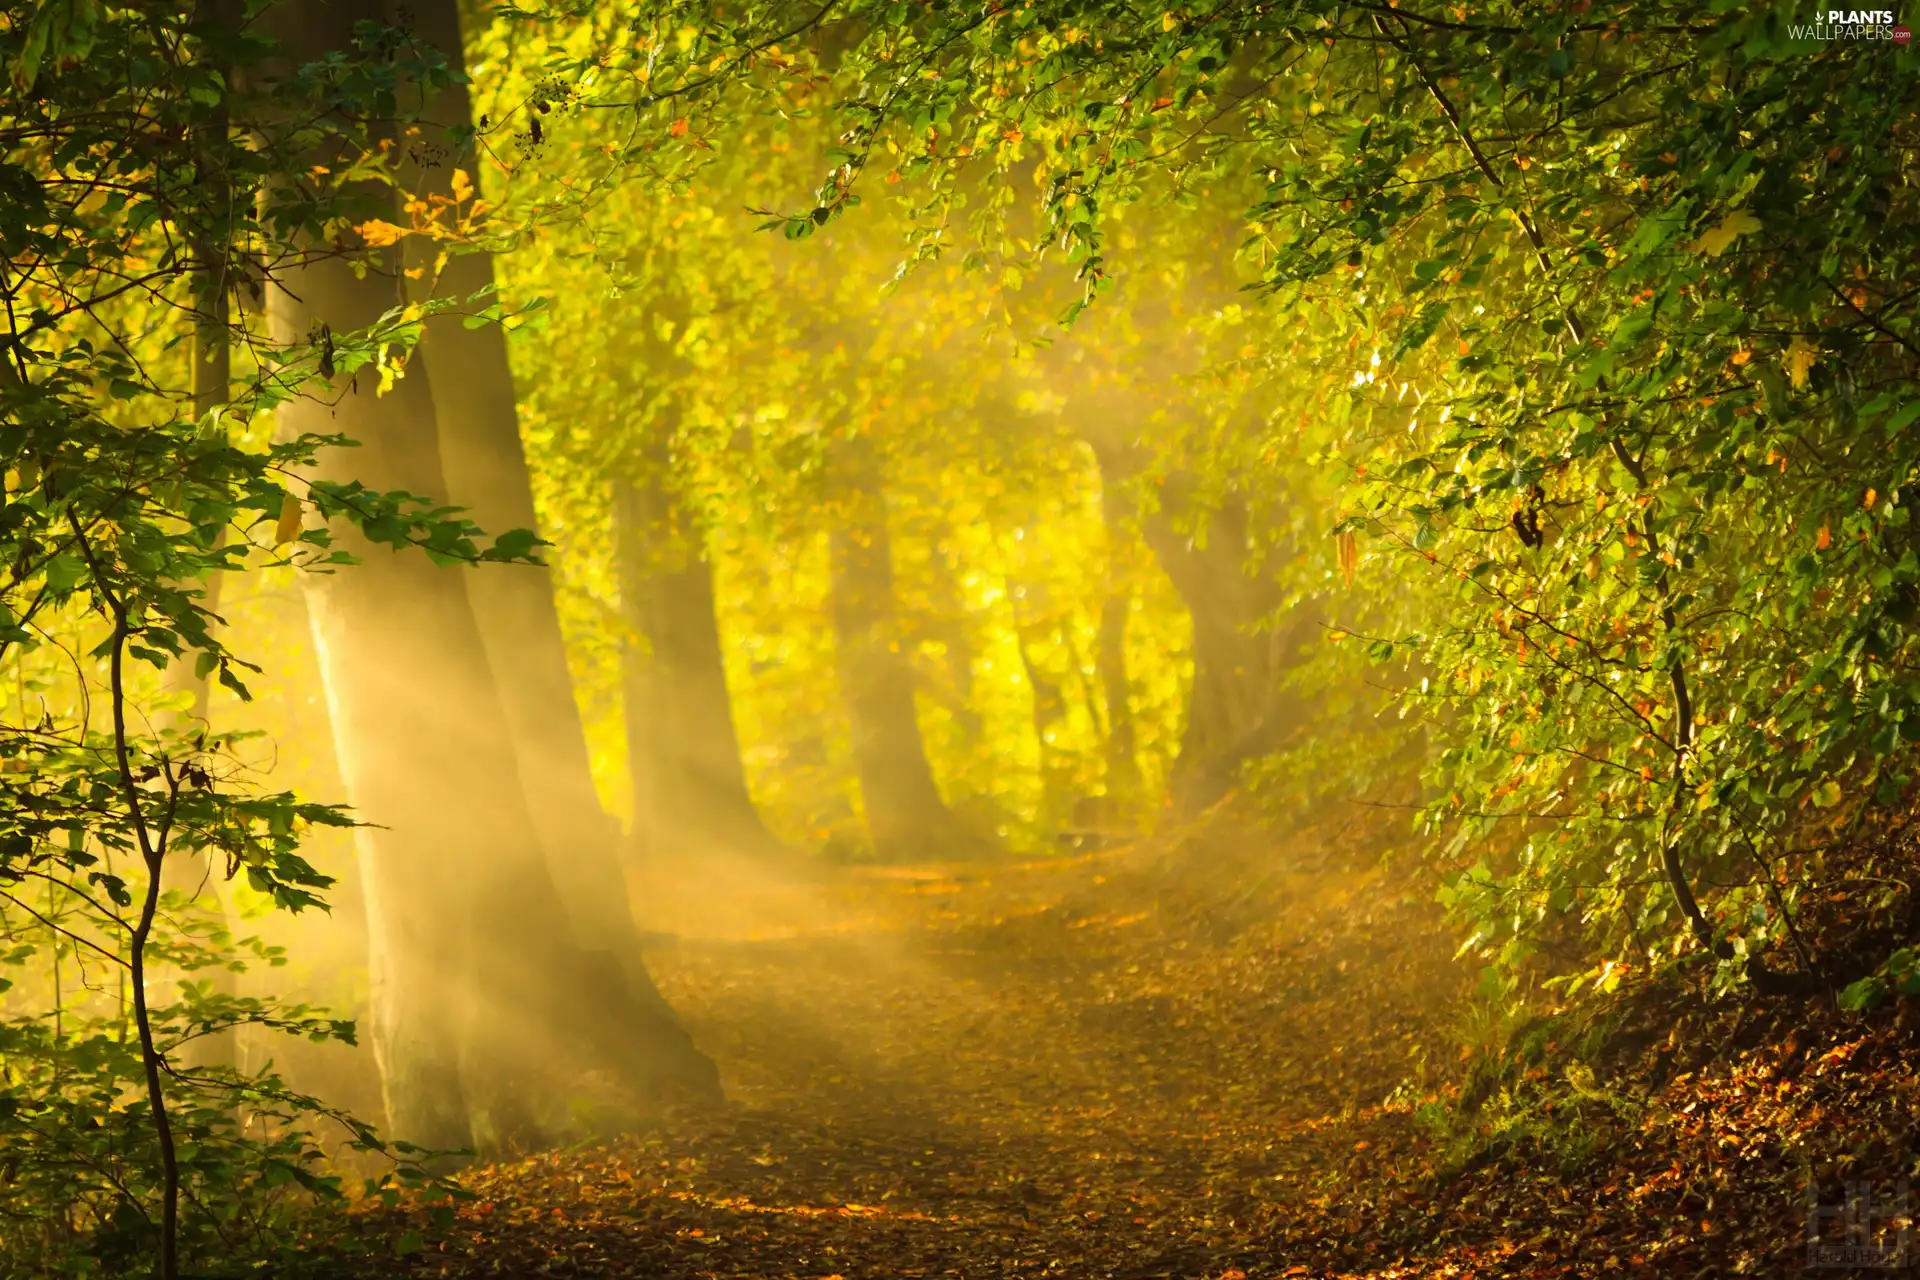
[1800, 361]
[1736, 224]
[379, 235]
[462, 186]
[289, 527]
[1168, 22]
[1705, 795]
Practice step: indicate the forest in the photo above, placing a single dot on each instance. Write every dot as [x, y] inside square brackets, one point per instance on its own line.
[1195, 640]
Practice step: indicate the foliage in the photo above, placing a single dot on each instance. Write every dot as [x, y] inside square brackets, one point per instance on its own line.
[145, 154]
[724, 367]
[1626, 296]
[1561, 362]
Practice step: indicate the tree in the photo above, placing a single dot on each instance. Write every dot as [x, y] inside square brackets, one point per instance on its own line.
[394, 716]
[141, 154]
[1234, 699]
[479, 976]
[1123, 763]
[486, 472]
[689, 789]
[906, 816]
[1217, 542]
[1671, 210]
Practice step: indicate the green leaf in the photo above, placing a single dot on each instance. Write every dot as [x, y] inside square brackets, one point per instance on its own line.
[1775, 388]
[65, 571]
[514, 544]
[1415, 335]
[1903, 416]
[1868, 993]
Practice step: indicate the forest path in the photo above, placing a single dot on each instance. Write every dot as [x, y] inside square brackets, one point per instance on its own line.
[1104, 1066]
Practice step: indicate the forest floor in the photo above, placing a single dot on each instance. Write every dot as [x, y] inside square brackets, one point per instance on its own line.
[1134, 1064]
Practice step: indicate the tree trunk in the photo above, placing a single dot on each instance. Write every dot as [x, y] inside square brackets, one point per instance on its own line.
[1032, 626]
[642, 692]
[477, 978]
[486, 472]
[951, 684]
[417, 750]
[1233, 709]
[1116, 607]
[906, 818]
[1233, 675]
[689, 787]
[182, 682]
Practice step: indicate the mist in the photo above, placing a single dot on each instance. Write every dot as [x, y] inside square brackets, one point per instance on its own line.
[955, 640]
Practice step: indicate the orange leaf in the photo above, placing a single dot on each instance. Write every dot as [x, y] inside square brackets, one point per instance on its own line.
[679, 128]
[1348, 551]
[1824, 538]
[379, 235]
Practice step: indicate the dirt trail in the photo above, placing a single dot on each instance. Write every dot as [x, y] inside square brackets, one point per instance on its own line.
[1094, 1067]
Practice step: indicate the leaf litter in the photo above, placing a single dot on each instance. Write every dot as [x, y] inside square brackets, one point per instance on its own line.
[1162, 1061]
